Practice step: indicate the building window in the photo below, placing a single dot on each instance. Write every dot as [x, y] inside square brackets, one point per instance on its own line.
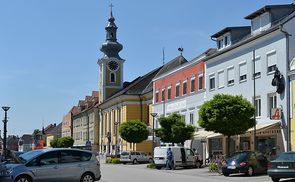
[257, 67]
[271, 62]
[220, 79]
[200, 80]
[191, 118]
[169, 93]
[230, 76]
[243, 72]
[157, 96]
[163, 94]
[225, 40]
[220, 44]
[212, 82]
[184, 85]
[113, 78]
[257, 105]
[177, 90]
[193, 82]
[272, 102]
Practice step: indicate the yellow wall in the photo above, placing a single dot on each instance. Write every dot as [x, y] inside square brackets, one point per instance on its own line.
[48, 140]
[129, 112]
[293, 118]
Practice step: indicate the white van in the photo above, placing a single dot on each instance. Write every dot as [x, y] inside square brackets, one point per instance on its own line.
[183, 157]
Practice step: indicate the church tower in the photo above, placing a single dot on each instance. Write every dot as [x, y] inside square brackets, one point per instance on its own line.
[111, 64]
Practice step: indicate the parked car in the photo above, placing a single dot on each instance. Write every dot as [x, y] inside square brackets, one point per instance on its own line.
[282, 167]
[135, 157]
[53, 165]
[182, 157]
[247, 162]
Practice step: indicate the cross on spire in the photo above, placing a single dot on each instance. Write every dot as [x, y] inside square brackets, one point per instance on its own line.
[111, 6]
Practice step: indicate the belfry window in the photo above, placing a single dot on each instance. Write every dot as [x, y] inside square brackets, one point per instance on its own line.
[113, 78]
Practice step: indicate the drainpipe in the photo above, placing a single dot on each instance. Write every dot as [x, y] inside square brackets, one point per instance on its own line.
[287, 88]
[140, 100]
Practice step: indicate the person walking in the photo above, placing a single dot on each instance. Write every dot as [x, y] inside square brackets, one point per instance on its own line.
[169, 162]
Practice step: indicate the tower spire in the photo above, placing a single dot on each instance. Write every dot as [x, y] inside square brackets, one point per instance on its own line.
[111, 47]
[111, 13]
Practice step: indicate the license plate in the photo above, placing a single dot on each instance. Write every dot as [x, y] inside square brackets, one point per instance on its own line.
[231, 167]
[283, 167]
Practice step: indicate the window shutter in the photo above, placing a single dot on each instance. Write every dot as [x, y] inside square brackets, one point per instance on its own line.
[271, 59]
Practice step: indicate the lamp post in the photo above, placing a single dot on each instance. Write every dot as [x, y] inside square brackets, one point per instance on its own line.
[153, 146]
[5, 108]
[116, 142]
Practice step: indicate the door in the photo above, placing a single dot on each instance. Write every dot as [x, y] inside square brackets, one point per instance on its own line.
[190, 158]
[71, 165]
[45, 167]
[183, 156]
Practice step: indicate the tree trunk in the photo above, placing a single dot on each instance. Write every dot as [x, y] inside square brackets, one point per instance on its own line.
[133, 146]
[228, 146]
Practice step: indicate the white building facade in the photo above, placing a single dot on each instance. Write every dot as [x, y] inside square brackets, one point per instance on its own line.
[245, 64]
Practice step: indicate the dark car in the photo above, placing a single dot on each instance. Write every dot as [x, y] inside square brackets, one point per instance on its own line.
[247, 162]
[282, 167]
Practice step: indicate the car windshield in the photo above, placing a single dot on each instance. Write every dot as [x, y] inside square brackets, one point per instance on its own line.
[125, 153]
[29, 155]
[239, 156]
[286, 157]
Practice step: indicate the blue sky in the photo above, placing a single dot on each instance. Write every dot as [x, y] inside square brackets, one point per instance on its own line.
[49, 48]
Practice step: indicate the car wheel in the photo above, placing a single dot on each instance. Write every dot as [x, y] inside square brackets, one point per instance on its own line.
[151, 160]
[275, 179]
[250, 171]
[225, 174]
[134, 161]
[87, 177]
[158, 167]
[23, 179]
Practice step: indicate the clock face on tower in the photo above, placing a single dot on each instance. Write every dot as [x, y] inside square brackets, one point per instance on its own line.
[113, 65]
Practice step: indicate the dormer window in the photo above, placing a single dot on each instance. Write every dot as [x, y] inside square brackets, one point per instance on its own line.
[261, 23]
[223, 41]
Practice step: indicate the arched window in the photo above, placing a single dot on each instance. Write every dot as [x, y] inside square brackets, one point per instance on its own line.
[113, 78]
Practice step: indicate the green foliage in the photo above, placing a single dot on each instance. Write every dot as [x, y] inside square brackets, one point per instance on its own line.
[109, 161]
[54, 143]
[151, 166]
[64, 142]
[134, 131]
[227, 114]
[113, 161]
[174, 130]
[212, 166]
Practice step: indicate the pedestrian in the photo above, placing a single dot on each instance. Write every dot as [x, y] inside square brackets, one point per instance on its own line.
[169, 161]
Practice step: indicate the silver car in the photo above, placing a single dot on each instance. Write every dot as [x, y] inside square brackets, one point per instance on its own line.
[135, 157]
[53, 165]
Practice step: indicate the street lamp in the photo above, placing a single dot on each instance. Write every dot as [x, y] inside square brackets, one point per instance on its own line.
[153, 146]
[116, 143]
[5, 108]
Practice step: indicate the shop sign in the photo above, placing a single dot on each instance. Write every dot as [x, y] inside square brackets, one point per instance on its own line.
[276, 113]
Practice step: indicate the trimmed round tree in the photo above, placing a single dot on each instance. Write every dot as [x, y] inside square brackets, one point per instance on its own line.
[174, 130]
[227, 114]
[134, 131]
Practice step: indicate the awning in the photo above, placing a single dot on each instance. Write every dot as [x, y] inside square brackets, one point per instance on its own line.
[265, 129]
[202, 134]
[215, 135]
[264, 126]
